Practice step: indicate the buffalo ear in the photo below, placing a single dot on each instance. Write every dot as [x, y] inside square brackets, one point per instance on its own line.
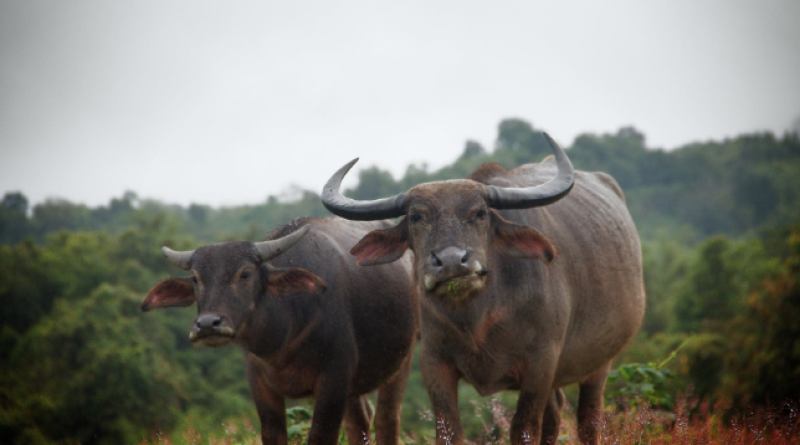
[282, 281]
[518, 241]
[382, 246]
[172, 292]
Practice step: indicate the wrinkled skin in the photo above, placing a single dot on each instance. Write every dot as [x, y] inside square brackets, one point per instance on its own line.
[334, 334]
[530, 300]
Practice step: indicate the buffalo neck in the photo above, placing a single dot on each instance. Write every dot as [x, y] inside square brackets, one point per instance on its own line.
[464, 315]
[278, 326]
[267, 328]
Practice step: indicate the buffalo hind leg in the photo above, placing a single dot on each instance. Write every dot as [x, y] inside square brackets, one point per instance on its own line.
[551, 423]
[390, 404]
[357, 419]
[590, 405]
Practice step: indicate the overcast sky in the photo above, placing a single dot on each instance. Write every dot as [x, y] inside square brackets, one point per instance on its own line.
[227, 102]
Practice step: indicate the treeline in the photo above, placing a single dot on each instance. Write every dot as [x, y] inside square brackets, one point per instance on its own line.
[80, 363]
[734, 187]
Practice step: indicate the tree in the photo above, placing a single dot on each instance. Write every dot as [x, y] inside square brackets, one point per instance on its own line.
[665, 264]
[26, 289]
[709, 296]
[59, 214]
[199, 213]
[519, 136]
[14, 224]
[472, 149]
[764, 360]
[374, 183]
[90, 373]
[619, 155]
[15, 202]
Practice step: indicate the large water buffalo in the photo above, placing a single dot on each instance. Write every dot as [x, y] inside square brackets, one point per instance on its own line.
[299, 341]
[525, 283]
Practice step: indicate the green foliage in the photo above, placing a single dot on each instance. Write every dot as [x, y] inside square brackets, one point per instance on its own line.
[643, 381]
[472, 149]
[665, 263]
[81, 363]
[452, 286]
[764, 364]
[26, 290]
[642, 384]
[620, 155]
[709, 295]
[90, 376]
[751, 358]
[14, 223]
[716, 284]
[298, 423]
[519, 137]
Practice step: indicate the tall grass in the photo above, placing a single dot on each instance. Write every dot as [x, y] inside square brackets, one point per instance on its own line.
[691, 422]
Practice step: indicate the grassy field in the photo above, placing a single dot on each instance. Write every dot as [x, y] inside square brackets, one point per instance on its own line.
[692, 422]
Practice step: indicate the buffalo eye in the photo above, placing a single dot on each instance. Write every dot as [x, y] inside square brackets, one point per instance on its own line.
[245, 275]
[481, 214]
[415, 218]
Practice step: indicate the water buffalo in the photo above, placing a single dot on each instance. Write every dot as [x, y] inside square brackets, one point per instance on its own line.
[299, 341]
[524, 284]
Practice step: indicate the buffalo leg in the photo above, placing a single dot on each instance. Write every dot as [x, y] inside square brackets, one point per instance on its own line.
[357, 419]
[270, 407]
[535, 395]
[526, 425]
[329, 406]
[441, 381]
[590, 405]
[390, 404]
[551, 423]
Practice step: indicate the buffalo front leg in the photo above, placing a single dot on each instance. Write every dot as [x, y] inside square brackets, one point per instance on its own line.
[390, 404]
[535, 395]
[441, 381]
[329, 406]
[590, 405]
[270, 407]
[526, 425]
[551, 422]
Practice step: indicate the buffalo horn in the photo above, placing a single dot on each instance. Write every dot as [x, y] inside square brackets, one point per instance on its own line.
[538, 195]
[181, 259]
[270, 249]
[358, 210]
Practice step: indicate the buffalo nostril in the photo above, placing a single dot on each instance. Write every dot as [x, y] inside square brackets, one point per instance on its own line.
[434, 260]
[465, 258]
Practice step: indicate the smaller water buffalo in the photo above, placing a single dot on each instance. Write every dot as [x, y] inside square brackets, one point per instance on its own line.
[335, 334]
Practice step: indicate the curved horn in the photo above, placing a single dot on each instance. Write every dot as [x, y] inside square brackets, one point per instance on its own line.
[181, 259]
[358, 210]
[538, 195]
[272, 248]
